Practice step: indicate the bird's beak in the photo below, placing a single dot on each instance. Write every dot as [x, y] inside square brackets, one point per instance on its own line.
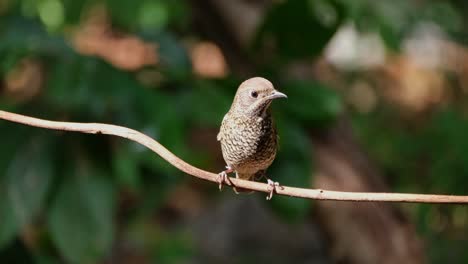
[277, 94]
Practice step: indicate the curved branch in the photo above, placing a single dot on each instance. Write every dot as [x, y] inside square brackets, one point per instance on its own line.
[317, 194]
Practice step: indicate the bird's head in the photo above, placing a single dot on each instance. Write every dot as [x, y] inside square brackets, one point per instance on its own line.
[254, 96]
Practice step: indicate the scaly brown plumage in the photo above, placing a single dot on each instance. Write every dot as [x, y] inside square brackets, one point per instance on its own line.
[248, 135]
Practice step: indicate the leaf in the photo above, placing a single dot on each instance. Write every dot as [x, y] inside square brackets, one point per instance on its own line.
[299, 28]
[169, 121]
[125, 165]
[51, 13]
[45, 259]
[12, 139]
[80, 218]
[16, 29]
[292, 167]
[311, 103]
[124, 13]
[73, 10]
[153, 15]
[209, 103]
[9, 226]
[173, 58]
[291, 173]
[445, 15]
[17, 252]
[70, 82]
[28, 178]
[174, 247]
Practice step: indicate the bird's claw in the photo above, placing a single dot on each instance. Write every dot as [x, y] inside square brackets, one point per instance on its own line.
[272, 188]
[223, 178]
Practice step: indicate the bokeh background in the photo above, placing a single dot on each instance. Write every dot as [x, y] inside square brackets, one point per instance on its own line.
[377, 102]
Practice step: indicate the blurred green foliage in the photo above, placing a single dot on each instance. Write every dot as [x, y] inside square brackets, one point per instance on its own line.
[289, 24]
[66, 189]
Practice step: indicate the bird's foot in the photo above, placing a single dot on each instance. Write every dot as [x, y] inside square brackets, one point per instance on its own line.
[272, 188]
[224, 178]
[236, 191]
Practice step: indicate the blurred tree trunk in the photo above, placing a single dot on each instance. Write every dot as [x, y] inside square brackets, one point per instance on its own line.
[358, 232]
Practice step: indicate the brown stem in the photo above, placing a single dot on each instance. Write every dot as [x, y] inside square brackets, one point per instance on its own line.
[317, 194]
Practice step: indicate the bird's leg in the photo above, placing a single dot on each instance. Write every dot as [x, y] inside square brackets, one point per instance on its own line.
[272, 188]
[234, 188]
[223, 177]
[271, 184]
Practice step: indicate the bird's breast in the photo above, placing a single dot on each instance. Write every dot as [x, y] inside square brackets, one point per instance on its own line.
[248, 143]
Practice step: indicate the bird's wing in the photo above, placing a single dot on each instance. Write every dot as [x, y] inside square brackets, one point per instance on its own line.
[220, 134]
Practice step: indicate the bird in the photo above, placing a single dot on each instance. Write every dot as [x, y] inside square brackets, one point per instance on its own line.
[248, 135]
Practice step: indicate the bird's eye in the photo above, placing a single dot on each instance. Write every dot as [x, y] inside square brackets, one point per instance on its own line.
[254, 94]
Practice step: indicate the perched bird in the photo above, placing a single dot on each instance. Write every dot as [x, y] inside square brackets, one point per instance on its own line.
[248, 135]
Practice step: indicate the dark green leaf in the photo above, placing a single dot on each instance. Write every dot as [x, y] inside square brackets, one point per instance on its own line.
[125, 164]
[13, 138]
[9, 226]
[311, 103]
[209, 103]
[299, 28]
[80, 218]
[292, 167]
[174, 60]
[291, 172]
[28, 177]
[444, 14]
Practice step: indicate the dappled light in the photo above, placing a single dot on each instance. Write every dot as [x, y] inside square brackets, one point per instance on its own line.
[208, 60]
[377, 103]
[25, 80]
[96, 37]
